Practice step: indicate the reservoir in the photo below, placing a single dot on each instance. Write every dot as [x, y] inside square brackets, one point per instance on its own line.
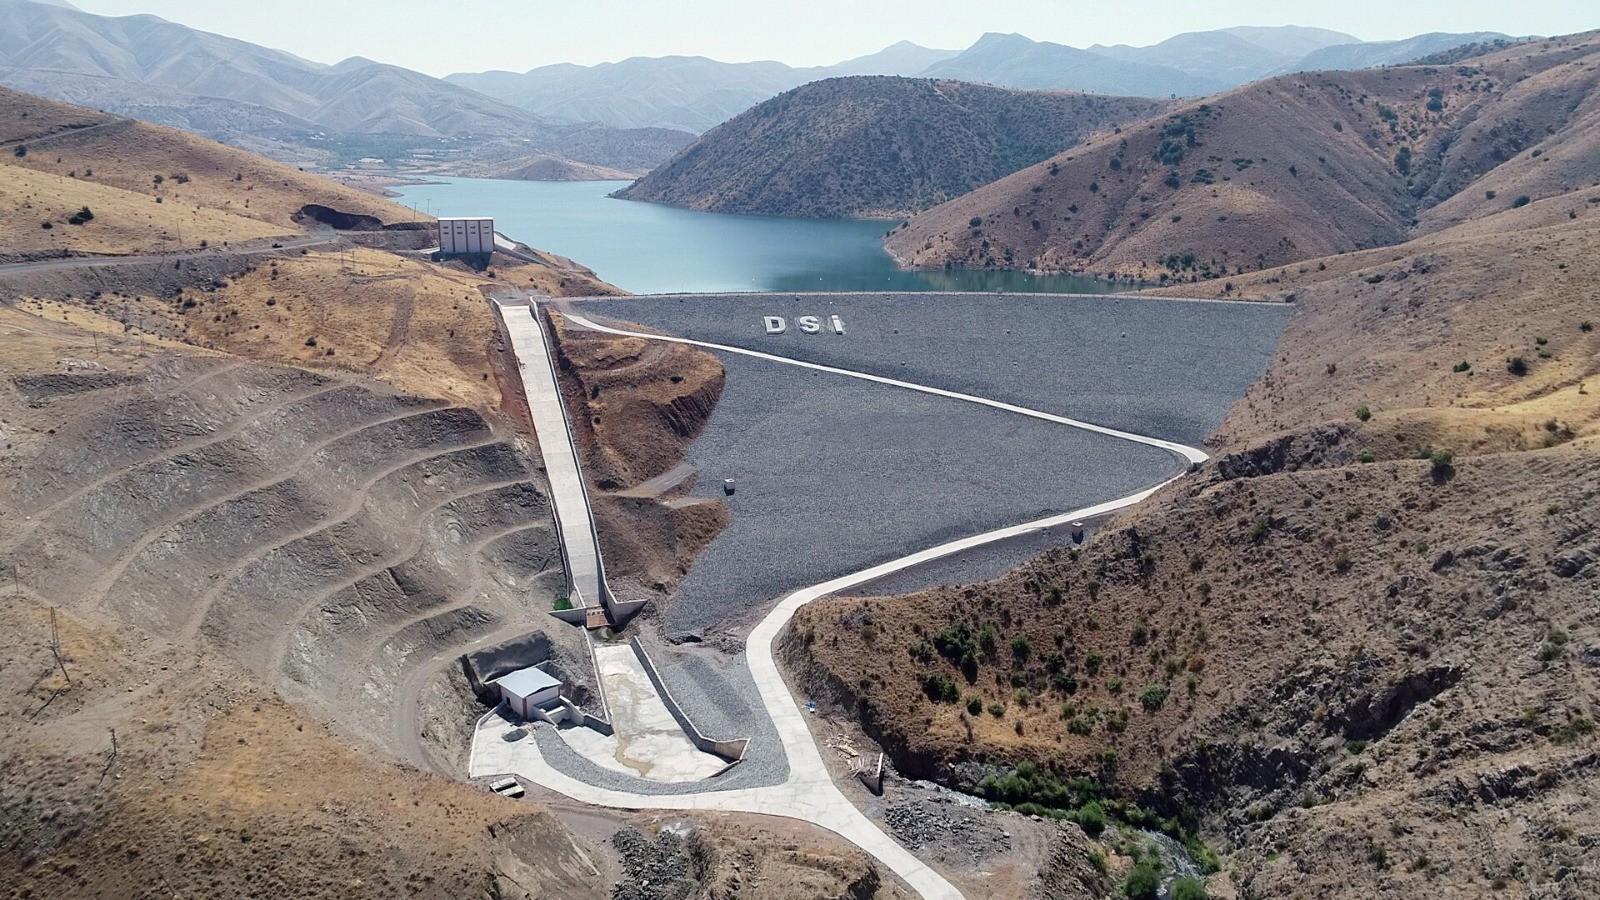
[647, 248]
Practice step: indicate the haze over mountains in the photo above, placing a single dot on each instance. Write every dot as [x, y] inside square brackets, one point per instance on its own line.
[567, 121]
[695, 94]
[690, 93]
[160, 71]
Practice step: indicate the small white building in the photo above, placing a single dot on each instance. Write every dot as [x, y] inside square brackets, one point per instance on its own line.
[526, 690]
[466, 236]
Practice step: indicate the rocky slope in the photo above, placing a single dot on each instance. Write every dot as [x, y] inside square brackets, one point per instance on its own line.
[1358, 647]
[1291, 168]
[875, 147]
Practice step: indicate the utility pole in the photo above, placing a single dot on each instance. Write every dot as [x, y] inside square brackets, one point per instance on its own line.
[55, 646]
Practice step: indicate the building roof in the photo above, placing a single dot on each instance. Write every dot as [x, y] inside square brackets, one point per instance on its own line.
[526, 682]
[466, 218]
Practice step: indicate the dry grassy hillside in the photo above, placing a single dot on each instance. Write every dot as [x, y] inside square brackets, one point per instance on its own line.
[1357, 647]
[421, 327]
[178, 168]
[1290, 168]
[1426, 335]
[40, 211]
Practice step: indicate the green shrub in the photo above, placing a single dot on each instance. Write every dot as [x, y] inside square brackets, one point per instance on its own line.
[997, 710]
[1021, 647]
[1143, 881]
[1367, 456]
[1517, 366]
[940, 689]
[1520, 202]
[1363, 412]
[1442, 463]
[1091, 817]
[975, 704]
[1154, 697]
[1462, 366]
[563, 602]
[975, 221]
[1188, 889]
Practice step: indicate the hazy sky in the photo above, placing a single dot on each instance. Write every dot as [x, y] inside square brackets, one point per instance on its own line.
[440, 36]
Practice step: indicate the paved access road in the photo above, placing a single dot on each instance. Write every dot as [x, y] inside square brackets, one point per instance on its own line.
[809, 793]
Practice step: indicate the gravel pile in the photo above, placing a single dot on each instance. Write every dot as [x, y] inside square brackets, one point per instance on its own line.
[954, 830]
[662, 869]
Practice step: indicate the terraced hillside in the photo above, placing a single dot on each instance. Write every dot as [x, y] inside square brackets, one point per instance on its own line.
[336, 538]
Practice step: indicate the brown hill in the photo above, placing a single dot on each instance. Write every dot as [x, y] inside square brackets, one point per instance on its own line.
[1356, 670]
[1290, 168]
[544, 167]
[875, 146]
[158, 188]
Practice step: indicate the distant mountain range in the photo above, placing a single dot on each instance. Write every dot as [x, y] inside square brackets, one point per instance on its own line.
[876, 146]
[567, 120]
[693, 93]
[689, 93]
[160, 71]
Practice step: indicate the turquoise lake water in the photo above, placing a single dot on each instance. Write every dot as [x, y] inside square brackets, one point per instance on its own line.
[646, 248]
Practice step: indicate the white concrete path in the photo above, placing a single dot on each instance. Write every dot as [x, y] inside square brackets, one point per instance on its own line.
[809, 793]
[549, 413]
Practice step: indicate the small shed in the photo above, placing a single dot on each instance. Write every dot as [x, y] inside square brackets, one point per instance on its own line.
[526, 690]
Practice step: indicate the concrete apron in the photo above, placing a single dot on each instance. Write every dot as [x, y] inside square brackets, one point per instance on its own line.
[647, 741]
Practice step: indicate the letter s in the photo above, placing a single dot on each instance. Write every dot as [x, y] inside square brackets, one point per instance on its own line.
[810, 324]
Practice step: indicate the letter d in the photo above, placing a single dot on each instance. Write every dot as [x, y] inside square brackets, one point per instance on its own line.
[775, 324]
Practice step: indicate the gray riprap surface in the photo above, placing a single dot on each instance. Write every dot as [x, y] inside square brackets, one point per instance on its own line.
[835, 474]
[1174, 375]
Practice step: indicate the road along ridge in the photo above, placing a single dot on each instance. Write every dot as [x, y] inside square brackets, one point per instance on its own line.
[809, 793]
[1191, 454]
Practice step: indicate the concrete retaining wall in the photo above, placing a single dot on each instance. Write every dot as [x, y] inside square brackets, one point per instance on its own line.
[731, 749]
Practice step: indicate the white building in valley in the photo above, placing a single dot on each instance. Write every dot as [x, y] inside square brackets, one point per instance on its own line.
[526, 690]
[466, 236]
